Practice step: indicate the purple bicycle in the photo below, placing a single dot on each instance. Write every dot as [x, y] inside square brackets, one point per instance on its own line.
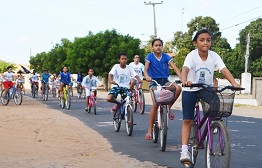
[215, 133]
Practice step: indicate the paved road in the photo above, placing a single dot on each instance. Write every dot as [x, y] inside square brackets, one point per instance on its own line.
[245, 133]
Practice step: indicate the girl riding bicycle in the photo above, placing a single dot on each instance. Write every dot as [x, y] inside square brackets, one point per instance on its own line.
[157, 68]
[199, 67]
[65, 79]
[88, 82]
[7, 79]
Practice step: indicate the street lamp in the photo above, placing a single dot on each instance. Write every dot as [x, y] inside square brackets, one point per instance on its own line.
[153, 4]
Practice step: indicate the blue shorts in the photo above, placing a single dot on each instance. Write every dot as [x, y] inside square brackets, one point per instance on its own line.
[161, 81]
[189, 100]
[119, 90]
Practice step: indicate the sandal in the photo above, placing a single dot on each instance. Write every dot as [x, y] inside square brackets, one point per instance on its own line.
[148, 137]
[114, 108]
[86, 109]
[171, 116]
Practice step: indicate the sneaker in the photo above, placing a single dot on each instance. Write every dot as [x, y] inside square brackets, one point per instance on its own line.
[185, 156]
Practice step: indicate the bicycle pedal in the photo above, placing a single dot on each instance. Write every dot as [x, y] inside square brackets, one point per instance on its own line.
[134, 123]
[186, 162]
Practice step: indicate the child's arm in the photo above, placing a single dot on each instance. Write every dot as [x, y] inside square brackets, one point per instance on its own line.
[110, 78]
[229, 77]
[148, 78]
[177, 71]
[185, 71]
[138, 79]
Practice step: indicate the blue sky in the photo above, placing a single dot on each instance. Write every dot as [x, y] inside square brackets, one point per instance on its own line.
[34, 26]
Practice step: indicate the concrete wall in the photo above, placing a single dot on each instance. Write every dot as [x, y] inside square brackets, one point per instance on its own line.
[257, 90]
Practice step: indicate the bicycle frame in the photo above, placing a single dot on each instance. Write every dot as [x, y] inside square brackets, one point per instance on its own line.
[91, 103]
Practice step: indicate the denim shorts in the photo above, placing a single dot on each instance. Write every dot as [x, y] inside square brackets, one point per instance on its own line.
[161, 81]
[189, 100]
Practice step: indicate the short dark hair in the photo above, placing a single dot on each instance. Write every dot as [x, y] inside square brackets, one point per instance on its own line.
[9, 67]
[157, 39]
[122, 53]
[201, 32]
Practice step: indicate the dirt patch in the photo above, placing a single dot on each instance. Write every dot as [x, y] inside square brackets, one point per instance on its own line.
[32, 135]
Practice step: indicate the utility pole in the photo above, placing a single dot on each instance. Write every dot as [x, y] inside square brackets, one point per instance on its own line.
[247, 53]
[154, 13]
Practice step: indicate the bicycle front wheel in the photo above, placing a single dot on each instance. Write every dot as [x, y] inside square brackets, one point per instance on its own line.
[68, 100]
[94, 104]
[129, 121]
[141, 102]
[18, 98]
[133, 101]
[155, 132]
[45, 93]
[4, 100]
[219, 154]
[117, 118]
[163, 128]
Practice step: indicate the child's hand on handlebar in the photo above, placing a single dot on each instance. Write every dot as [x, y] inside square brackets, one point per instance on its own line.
[148, 79]
[186, 83]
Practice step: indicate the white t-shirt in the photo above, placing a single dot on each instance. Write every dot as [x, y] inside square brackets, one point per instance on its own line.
[34, 77]
[53, 84]
[138, 68]
[202, 71]
[122, 76]
[8, 76]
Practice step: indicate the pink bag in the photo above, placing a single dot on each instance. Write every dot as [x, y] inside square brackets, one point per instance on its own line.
[165, 96]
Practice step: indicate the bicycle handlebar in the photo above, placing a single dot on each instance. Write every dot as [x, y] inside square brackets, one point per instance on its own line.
[176, 82]
[205, 86]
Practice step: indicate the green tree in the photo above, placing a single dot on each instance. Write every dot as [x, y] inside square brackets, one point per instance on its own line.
[255, 49]
[4, 65]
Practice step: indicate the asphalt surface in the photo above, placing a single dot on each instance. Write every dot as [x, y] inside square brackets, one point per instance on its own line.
[245, 135]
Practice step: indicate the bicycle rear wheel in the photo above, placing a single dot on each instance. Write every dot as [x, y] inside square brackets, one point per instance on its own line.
[117, 118]
[18, 98]
[62, 102]
[4, 101]
[220, 154]
[129, 121]
[155, 132]
[133, 101]
[163, 128]
[141, 102]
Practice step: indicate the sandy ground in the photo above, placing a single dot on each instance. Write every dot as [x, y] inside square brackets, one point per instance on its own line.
[32, 135]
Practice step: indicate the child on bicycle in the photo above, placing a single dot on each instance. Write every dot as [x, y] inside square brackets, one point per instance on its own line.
[65, 79]
[45, 80]
[139, 69]
[88, 82]
[120, 74]
[157, 67]
[34, 79]
[198, 67]
[7, 80]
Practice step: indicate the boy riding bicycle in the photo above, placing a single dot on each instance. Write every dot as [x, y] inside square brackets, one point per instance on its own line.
[120, 74]
[7, 80]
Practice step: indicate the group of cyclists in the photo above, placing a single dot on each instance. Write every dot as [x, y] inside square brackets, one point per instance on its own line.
[198, 67]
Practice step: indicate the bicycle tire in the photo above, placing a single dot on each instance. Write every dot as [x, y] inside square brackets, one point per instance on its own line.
[155, 132]
[163, 128]
[117, 118]
[193, 145]
[45, 93]
[221, 153]
[129, 121]
[34, 91]
[133, 101]
[3, 100]
[18, 98]
[68, 100]
[62, 102]
[94, 104]
[141, 103]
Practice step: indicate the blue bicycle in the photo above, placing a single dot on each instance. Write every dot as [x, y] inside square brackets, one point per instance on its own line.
[12, 93]
[45, 91]
[124, 112]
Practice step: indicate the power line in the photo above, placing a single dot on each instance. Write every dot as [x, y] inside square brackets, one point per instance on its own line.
[241, 23]
[241, 14]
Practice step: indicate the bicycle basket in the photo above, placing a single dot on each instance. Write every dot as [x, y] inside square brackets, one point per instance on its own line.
[220, 105]
[163, 96]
